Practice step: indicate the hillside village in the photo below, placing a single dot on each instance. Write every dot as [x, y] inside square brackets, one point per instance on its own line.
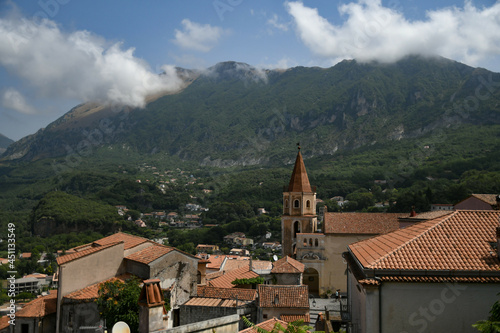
[440, 269]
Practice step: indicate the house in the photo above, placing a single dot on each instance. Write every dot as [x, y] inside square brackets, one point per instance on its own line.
[282, 300]
[480, 202]
[321, 252]
[207, 248]
[39, 316]
[243, 241]
[214, 302]
[288, 271]
[224, 281]
[239, 252]
[442, 207]
[231, 237]
[440, 275]
[117, 257]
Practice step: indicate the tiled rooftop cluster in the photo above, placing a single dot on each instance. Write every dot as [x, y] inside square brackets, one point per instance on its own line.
[227, 293]
[454, 243]
[287, 265]
[283, 296]
[360, 223]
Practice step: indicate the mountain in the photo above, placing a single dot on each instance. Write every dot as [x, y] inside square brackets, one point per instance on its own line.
[4, 143]
[235, 114]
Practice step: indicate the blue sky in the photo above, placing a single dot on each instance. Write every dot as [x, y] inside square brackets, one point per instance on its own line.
[55, 54]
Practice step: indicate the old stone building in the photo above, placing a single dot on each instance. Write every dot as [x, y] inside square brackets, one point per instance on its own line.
[120, 256]
[321, 252]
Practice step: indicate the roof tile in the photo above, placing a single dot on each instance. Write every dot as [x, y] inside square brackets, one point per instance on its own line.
[360, 223]
[459, 241]
[283, 296]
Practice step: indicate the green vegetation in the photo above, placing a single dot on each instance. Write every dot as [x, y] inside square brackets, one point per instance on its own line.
[492, 325]
[251, 281]
[59, 212]
[118, 301]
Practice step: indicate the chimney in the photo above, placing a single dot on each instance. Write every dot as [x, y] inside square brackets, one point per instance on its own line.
[413, 213]
[251, 264]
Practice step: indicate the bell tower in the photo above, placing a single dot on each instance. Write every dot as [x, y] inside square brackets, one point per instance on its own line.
[299, 208]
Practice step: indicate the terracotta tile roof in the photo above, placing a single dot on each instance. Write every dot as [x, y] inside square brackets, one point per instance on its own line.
[232, 264]
[287, 265]
[211, 276]
[77, 255]
[4, 322]
[430, 215]
[215, 261]
[299, 182]
[281, 296]
[150, 254]
[129, 241]
[294, 317]
[488, 198]
[227, 293]
[225, 280]
[360, 223]
[215, 302]
[267, 325]
[39, 307]
[459, 241]
[92, 292]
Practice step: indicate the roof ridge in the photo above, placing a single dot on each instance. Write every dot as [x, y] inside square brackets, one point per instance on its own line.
[435, 222]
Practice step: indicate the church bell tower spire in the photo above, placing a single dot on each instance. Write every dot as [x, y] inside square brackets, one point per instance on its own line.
[299, 207]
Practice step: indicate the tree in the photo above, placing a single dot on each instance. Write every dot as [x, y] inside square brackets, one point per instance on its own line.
[492, 325]
[118, 301]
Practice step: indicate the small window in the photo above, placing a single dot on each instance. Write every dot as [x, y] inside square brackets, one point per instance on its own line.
[310, 242]
[296, 203]
[316, 242]
[286, 203]
[308, 203]
[305, 241]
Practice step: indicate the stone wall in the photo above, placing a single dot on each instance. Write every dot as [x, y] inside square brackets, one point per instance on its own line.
[227, 324]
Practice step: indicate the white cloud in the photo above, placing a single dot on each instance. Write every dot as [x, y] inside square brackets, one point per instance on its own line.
[275, 22]
[14, 100]
[77, 65]
[371, 31]
[198, 37]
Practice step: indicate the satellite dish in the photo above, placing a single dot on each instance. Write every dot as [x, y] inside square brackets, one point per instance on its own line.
[120, 327]
[275, 257]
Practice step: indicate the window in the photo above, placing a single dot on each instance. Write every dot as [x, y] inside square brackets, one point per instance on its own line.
[296, 228]
[316, 242]
[305, 241]
[308, 203]
[296, 203]
[286, 203]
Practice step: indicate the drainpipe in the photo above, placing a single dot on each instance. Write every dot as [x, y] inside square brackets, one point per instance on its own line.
[379, 304]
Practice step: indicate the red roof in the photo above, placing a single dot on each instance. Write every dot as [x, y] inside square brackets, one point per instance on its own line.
[299, 182]
[294, 317]
[128, 240]
[360, 223]
[459, 241]
[39, 307]
[77, 255]
[225, 280]
[150, 254]
[283, 296]
[287, 265]
[92, 292]
[227, 293]
[267, 325]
